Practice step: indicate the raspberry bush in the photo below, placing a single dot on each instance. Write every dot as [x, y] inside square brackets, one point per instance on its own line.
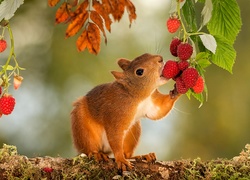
[194, 48]
[9, 70]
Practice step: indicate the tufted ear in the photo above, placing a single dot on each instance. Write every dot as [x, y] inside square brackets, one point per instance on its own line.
[124, 63]
[117, 75]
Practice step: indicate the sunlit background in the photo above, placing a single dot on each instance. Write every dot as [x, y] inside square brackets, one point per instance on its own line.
[56, 74]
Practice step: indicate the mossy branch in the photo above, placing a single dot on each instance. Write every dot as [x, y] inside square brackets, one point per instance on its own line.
[14, 166]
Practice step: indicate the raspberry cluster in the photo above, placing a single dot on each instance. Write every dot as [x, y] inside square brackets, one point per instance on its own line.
[180, 70]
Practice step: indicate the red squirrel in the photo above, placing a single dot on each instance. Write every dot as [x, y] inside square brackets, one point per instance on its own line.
[107, 119]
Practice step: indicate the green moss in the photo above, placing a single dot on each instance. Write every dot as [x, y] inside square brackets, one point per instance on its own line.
[14, 166]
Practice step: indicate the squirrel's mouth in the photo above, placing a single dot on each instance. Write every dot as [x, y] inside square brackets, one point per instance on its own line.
[161, 70]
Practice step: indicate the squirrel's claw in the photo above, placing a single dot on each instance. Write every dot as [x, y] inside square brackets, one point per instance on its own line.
[124, 165]
[99, 156]
[150, 158]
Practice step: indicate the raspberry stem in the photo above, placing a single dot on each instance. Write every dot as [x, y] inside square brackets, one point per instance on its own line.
[182, 24]
[186, 35]
[15, 70]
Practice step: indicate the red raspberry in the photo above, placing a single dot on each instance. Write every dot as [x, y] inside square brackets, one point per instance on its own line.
[183, 65]
[7, 104]
[184, 51]
[199, 86]
[180, 86]
[173, 46]
[47, 169]
[3, 45]
[173, 24]
[170, 69]
[190, 76]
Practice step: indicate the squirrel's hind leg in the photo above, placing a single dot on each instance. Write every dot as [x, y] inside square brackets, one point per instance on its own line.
[87, 133]
[131, 140]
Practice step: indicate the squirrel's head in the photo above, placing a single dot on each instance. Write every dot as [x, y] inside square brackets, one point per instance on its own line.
[144, 71]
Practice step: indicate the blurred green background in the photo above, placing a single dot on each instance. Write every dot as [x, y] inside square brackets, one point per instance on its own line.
[56, 74]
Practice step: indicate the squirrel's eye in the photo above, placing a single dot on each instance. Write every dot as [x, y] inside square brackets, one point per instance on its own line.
[139, 72]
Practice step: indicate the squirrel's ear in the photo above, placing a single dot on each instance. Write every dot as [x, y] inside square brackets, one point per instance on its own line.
[123, 63]
[117, 75]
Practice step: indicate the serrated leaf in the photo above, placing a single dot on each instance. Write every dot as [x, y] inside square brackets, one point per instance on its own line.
[207, 12]
[202, 59]
[190, 16]
[8, 8]
[226, 20]
[202, 55]
[204, 63]
[209, 42]
[173, 7]
[199, 97]
[225, 54]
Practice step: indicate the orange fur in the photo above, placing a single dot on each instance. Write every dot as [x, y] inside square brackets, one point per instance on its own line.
[107, 119]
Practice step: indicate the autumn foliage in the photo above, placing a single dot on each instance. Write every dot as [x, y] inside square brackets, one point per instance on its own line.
[92, 17]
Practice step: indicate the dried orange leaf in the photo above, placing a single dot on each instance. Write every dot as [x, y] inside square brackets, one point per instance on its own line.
[100, 10]
[94, 38]
[131, 10]
[82, 41]
[53, 2]
[96, 18]
[62, 13]
[76, 24]
[117, 9]
[106, 6]
[82, 7]
[73, 3]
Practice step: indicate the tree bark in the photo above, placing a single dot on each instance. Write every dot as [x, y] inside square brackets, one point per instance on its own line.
[14, 166]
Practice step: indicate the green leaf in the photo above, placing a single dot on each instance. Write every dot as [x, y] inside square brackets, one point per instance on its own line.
[8, 68]
[226, 20]
[190, 16]
[202, 59]
[209, 42]
[198, 97]
[173, 7]
[225, 54]
[8, 8]
[207, 12]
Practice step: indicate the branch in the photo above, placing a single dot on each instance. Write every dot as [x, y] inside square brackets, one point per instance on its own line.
[14, 166]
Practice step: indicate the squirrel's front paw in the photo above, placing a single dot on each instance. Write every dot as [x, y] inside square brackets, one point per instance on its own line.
[173, 93]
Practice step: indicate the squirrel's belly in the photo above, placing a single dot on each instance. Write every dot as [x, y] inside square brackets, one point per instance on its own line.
[105, 144]
[147, 108]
